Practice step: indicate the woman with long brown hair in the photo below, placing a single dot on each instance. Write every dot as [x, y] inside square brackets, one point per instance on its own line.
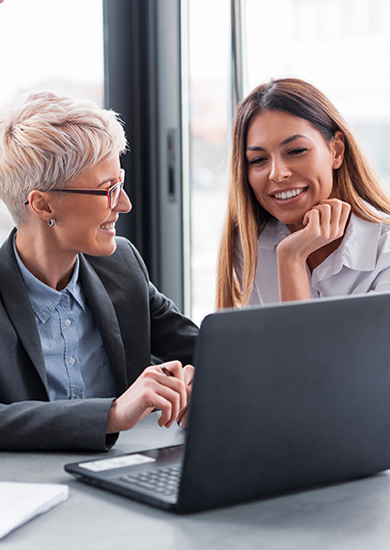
[307, 215]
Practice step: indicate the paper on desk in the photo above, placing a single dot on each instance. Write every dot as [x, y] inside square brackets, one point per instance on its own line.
[20, 502]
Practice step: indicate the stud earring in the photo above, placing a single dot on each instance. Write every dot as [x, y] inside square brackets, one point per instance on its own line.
[51, 222]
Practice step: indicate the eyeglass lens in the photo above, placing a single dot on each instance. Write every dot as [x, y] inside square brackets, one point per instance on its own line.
[115, 194]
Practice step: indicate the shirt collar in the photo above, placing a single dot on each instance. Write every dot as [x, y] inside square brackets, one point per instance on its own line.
[357, 251]
[274, 232]
[45, 299]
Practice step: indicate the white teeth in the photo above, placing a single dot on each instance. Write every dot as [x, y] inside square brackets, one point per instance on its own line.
[288, 194]
[108, 226]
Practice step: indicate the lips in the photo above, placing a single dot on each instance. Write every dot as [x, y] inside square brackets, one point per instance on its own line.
[291, 193]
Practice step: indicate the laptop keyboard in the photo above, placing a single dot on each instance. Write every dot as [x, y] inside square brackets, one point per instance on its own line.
[164, 481]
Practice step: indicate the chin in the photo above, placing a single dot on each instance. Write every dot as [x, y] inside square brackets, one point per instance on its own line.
[292, 221]
[294, 224]
[101, 250]
[108, 250]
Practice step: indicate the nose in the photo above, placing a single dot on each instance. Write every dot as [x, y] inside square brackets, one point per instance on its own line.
[279, 170]
[124, 204]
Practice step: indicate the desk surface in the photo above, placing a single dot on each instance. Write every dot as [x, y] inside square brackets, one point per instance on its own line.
[354, 515]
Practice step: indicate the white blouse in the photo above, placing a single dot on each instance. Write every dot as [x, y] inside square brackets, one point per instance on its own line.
[361, 263]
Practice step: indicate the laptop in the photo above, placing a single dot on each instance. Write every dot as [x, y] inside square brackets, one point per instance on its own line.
[285, 397]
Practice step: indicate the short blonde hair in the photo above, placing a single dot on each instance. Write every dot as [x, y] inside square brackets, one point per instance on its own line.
[50, 140]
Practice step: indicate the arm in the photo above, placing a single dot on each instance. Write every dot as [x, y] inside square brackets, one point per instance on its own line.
[56, 425]
[173, 337]
[82, 424]
[324, 227]
[153, 330]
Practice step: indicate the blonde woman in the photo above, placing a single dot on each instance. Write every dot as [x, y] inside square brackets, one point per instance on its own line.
[80, 320]
[307, 215]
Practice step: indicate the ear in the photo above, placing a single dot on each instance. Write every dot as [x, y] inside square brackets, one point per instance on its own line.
[338, 149]
[39, 202]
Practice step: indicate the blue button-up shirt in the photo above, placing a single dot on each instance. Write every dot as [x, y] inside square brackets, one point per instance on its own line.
[76, 362]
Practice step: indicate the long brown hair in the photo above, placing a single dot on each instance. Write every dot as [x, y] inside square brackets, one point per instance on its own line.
[356, 180]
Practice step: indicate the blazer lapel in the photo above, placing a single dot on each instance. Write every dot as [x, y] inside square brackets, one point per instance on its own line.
[17, 304]
[106, 319]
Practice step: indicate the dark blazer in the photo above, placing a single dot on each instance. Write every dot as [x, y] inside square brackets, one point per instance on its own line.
[136, 322]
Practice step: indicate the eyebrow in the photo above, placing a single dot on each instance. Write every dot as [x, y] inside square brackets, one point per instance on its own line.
[284, 142]
[108, 180]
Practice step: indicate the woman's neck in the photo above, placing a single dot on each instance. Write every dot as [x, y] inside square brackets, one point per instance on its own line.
[43, 257]
[317, 257]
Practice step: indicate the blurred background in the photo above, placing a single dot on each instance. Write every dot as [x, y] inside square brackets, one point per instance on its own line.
[340, 46]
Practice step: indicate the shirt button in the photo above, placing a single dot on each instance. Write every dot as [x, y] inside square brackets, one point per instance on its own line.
[72, 360]
[68, 322]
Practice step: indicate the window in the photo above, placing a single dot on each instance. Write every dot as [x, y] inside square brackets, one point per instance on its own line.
[209, 99]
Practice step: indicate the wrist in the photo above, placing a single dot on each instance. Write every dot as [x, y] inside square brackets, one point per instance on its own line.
[290, 258]
[293, 279]
[112, 422]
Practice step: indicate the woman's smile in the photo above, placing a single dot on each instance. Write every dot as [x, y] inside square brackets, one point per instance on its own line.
[84, 223]
[289, 194]
[108, 226]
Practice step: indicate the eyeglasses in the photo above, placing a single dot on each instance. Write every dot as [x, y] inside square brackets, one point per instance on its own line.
[112, 193]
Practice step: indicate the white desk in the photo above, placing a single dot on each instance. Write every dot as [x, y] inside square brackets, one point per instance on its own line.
[353, 516]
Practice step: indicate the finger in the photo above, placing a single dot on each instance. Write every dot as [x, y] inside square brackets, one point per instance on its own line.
[188, 374]
[332, 201]
[345, 212]
[339, 218]
[174, 384]
[156, 384]
[165, 407]
[329, 219]
[337, 226]
[325, 212]
[168, 402]
[312, 217]
[176, 396]
[182, 418]
[167, 374]
[172, 368]
[334, 209]
[183, 378]
[336, 205]
[182, 388]
[306, 219]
